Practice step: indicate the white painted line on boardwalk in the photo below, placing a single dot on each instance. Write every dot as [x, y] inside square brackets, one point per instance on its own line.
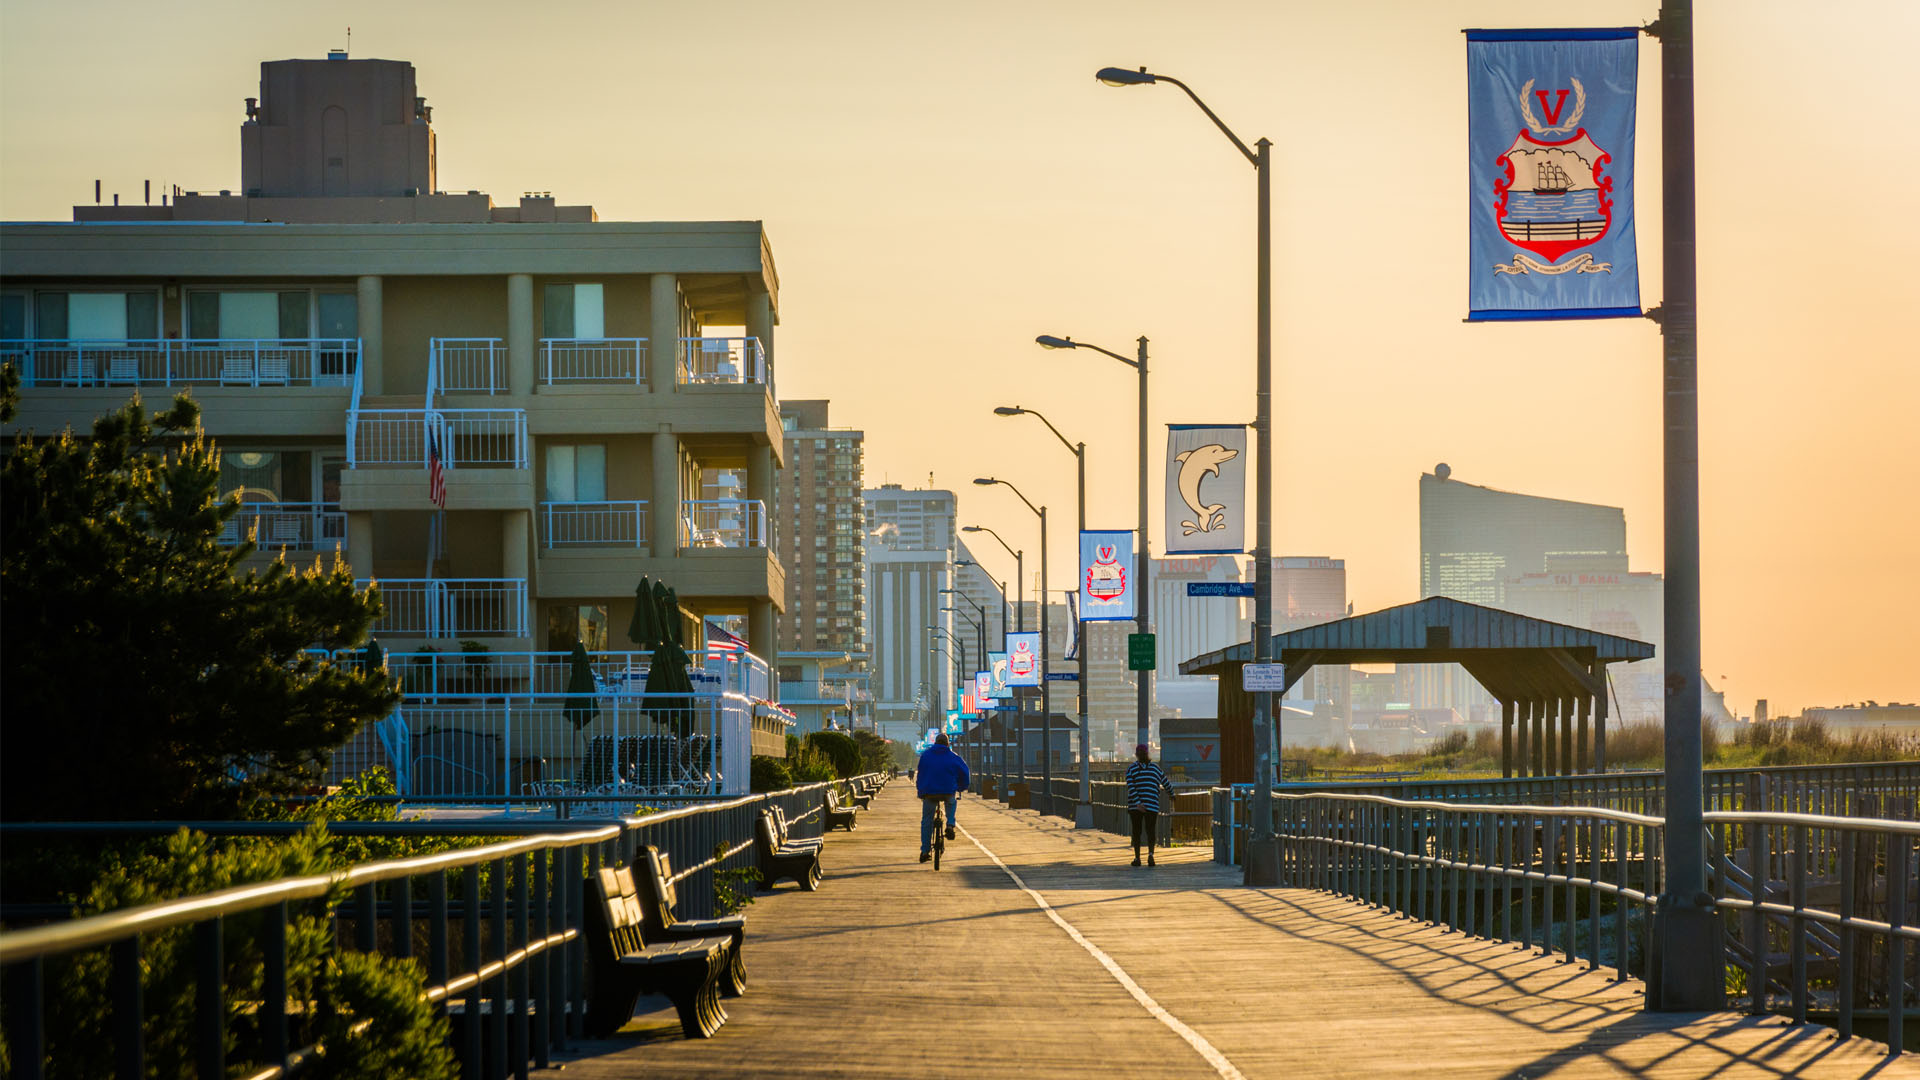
[1194, 1039]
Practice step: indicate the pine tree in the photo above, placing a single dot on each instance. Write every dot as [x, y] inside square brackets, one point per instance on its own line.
[141, 675]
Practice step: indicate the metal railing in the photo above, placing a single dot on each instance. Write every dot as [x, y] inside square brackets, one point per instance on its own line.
[293, 526]
[606, 361]
[722, 361]
[167, 362]
[469, 365]
[1824, 930]
[452, 607]
[514, 956]
[723, 523]
[594, 524]
[469, 438]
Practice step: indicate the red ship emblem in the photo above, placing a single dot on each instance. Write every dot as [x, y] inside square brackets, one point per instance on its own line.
[1106, 578]
[1553, 196]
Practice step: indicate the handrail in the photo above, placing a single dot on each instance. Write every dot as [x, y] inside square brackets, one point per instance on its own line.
[58, 938]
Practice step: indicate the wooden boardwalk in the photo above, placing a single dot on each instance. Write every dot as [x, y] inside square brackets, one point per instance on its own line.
[892, 970]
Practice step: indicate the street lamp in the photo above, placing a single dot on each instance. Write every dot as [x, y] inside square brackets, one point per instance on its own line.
[981, 608]
[1263, 854]
[1083, 808]
[1143, 561]
[1019, 572]
[1046, 694]
[1020, 623]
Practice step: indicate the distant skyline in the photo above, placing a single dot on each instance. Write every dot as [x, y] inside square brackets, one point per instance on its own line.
[940, 184]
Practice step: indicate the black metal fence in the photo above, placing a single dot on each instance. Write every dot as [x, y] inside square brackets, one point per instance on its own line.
[508, 965]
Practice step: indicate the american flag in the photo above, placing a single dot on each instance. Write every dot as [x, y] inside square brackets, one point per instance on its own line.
[719, 640]
[436, 475]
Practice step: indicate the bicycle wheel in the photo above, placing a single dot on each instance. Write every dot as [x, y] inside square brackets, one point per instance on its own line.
[939, 834]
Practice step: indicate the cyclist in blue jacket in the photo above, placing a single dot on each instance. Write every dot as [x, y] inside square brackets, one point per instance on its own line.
[941, 773]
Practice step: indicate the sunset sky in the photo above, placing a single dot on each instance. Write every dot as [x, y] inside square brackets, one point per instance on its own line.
[942, 183]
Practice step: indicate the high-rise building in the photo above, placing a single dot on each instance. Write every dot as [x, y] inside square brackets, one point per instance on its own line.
[598, 396]
[1309, 590]
[910, 552]
[1186, 626]
[820, 531]
[1474, 539]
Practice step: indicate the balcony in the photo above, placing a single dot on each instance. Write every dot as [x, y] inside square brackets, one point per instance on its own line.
[723, 523]
[324, 362]
[452, 607]
[467, 438]
[468, 365]
[712, 361]
[287, 526]
[593, 361]
[570, 525]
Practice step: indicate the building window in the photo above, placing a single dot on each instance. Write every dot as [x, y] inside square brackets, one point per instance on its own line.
[571, 623]
[575, 311]
[577, 473]
[252, 315]
[83, 316]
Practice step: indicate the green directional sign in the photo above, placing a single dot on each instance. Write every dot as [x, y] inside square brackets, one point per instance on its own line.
[1140, 654]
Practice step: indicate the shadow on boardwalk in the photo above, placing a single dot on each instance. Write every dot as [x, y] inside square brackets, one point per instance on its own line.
[893, 970]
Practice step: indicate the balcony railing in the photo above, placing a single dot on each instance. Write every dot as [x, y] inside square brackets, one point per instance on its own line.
[824, 691]
[469, 365]
[593, 524]
[166, 362]
[604, 361]
[287, 525]
[718, 361]
[723, 523]
[452, 607]
[468, 438]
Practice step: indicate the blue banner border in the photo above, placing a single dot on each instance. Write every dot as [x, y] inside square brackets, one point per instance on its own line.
[1580, 34]
[1528, 315]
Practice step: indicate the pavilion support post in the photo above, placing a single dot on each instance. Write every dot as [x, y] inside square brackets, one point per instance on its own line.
[1600, 717]
[1543, 738]
[1523, 748]
[1566, 735]
[1506, 738]
[1582, 707]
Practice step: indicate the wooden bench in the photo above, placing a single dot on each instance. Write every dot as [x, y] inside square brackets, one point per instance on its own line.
[777, 861]
[622, 966]
[783, 833]
[653, 873]
[836, 815]
[860, 795]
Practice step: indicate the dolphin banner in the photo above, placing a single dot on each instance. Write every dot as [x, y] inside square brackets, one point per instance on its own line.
[1206, 489]
[1023, 658]
[1106, 576]
[1550, 168]
[998, 688]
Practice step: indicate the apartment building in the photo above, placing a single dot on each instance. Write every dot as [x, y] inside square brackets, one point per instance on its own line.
[598, 395]
[820, 517]
[910, 552]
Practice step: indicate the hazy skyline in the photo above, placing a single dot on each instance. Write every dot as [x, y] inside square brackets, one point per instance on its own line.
[940, 185]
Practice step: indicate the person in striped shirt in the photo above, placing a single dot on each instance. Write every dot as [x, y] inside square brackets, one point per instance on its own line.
[1145, 783]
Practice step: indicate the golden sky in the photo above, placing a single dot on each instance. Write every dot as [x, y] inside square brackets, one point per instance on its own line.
[942, 183]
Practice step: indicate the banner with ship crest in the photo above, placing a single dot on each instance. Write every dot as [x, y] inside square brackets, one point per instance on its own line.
[1550, 174]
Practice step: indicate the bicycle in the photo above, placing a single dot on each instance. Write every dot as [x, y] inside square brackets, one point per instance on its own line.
[939, 827]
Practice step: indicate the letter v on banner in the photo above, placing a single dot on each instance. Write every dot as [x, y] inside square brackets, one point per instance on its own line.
[1550, 174]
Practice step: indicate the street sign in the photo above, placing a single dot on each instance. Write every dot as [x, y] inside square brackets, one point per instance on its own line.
[1063, 676]
[1263, 678]
[1140, 652]
[1220, 588]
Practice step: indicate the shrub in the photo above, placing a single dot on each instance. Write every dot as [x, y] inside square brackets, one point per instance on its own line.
[840, 750]
[770, 774]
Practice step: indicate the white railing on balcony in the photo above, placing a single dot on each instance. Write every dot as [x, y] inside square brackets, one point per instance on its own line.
[295, 526]
[452, 607]
[714, 360]
[606, 361]
[165, 362]
[593, 524]
[469, 438]
[723, 523]
[469, 365]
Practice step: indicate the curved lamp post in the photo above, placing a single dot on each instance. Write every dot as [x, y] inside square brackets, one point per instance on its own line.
[1046, 699]
[1143, 562]
[1263, 867]
[1020, 614]
[1083, 807]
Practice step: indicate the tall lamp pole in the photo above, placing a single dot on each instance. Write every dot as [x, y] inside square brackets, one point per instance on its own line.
[1046, 699]
[1143, 562]
[1263, 854]
[981, 608]
[1083, 806]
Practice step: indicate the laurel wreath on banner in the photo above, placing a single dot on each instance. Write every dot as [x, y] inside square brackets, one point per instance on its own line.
[1573, 121]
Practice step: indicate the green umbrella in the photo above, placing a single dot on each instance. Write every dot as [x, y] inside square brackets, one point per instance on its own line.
[582, 704]
[643, 630]
[375, 656]
[668, 685]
